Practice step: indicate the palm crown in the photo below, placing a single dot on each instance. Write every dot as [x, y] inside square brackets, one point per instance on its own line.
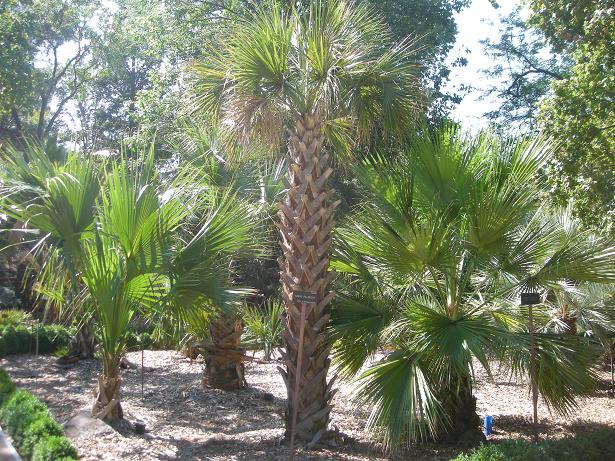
[435, 261]
[334, 58]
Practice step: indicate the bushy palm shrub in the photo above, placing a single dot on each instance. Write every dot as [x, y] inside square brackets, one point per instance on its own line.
[264, 327]
[452, 231]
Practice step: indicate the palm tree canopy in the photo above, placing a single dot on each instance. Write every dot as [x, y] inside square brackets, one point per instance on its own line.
[331, 57]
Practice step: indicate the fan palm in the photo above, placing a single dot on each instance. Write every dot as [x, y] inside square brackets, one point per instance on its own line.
[117, 235]
[57, 198]
[324, 74]
[434, 264]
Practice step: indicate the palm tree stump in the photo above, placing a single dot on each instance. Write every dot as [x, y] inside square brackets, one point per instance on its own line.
[107, 405]
[464, 425]
[305, 225]
[223, 355]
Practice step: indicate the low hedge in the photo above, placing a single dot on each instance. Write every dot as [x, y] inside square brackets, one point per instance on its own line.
[21, 339]
[588, 446]
[36, 435]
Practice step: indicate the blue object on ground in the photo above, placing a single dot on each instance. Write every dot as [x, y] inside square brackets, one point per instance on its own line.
[488, 425]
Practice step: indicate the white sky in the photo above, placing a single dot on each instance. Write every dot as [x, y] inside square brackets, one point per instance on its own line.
[477, 22]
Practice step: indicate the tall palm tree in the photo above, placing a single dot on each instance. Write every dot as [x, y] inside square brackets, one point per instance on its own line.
[320, 75]
[118, 243]
[434, 262]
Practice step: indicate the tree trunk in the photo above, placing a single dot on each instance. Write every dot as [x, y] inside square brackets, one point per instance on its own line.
[81, 346]
[464, 426]
[223, 355]
[305, 226]
[107, 405]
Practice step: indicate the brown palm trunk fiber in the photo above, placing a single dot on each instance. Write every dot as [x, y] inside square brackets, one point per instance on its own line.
[224, 357]
[306, 221]
[107, 405]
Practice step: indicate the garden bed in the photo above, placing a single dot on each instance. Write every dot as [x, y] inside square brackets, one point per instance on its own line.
[186, 422]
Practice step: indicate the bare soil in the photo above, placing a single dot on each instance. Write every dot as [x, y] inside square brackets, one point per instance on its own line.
[187, 422]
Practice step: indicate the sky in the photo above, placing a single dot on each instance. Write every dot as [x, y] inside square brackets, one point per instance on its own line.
[477, 22]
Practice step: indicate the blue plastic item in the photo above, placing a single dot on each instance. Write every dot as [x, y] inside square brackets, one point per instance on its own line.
[488, 427]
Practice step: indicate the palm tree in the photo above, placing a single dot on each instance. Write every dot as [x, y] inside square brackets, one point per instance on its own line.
[434, 263]
[116, 238]
[320, 75]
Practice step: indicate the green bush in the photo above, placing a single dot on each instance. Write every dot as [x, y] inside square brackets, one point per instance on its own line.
[35, 434]
[18, 412]
[54, 448]
[40, 429]
[6, 386]
[589, 446]
[14, 317]
[264, 327]
[21, 339]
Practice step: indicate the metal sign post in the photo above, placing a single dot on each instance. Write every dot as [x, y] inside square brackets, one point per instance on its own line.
[529, 299]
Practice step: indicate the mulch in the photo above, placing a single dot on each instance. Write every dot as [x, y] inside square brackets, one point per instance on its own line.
[187, 422]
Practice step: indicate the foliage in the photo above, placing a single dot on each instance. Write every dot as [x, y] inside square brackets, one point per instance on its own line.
[525, 67]
[22, 339]
[264, 326]
[6, 386]
[36, 79]
[19, 412]
[14, 317]
[579, 115]
[278, 62]
[36, 435]
[432, 23]
[588, 445]
[54, 447]
[452, 231]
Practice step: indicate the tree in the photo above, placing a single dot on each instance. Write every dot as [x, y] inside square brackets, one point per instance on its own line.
[114, 238]
[451, 232]
[432, 23]
[579, 114]
[526, 69]
[37, 81]
[323, 71]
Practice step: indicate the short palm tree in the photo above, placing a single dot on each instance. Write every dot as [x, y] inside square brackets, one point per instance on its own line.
[320, 75]
[116, 239]
[434, 262]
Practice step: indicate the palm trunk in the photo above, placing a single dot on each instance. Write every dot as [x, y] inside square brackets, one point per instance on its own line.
[460, 405]
[107, 405]
[305, 225]
[223, 355]
[82, 345]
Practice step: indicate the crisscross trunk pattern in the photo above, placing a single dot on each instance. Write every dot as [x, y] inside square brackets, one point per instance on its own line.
[223, 354]
[306, 221]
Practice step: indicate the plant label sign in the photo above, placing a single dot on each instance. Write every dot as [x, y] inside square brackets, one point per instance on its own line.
[308, 297]
[530, 298]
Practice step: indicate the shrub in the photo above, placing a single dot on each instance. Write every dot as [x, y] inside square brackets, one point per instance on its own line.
[54, 448]
[264, 327]
[6, 386]
[14, 317]
[588, 446]
[37, 431]
[21, 339]
[18, 412]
